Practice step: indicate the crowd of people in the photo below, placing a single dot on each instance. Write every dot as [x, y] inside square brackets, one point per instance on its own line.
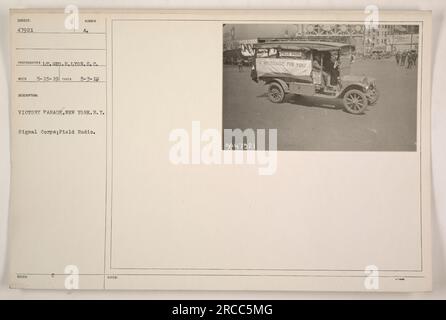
[406, 58]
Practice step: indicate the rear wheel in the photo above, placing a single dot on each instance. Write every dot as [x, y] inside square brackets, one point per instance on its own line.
[355, 101]
[276, 93]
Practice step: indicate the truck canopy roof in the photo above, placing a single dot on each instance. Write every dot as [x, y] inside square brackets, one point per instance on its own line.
[265, 43]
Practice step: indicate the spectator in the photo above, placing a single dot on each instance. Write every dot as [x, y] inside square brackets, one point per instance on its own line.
[240, 64]
[415, 58]
[397, 57]
[403, 58]
[409, 60]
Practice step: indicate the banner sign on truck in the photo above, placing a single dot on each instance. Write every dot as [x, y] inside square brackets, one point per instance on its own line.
[283, 66]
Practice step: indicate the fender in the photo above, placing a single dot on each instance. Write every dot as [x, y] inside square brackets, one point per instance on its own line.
[357, 86]
[282, 83]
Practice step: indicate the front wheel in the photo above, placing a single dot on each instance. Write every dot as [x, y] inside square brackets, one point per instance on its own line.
[276, 93]
[355, 101]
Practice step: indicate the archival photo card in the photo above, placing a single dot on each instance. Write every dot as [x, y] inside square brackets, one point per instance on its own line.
[220, 150]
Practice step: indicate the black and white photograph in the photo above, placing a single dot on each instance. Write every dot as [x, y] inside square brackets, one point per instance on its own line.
[323, 87]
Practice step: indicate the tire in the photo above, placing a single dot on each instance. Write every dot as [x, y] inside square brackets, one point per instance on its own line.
[355, 101]
[276, 93]
[373, 98]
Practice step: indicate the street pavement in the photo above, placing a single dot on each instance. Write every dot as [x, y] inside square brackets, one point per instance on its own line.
[310, 123]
